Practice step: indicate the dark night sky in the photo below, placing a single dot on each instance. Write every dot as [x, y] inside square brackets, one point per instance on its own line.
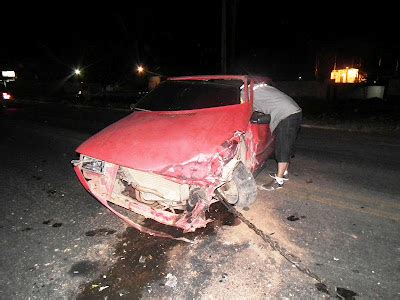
[182, 37]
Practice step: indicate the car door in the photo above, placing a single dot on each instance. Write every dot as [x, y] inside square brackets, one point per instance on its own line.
[262, 138]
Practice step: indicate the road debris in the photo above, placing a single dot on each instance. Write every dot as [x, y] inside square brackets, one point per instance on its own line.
[224, 277]
[103, 288]
[52, 223]
[294, 260]
[322, 287]
[171, 280]
[295, 217]
[345, 294]
[122, 292]
[100, 231]
[51, 192]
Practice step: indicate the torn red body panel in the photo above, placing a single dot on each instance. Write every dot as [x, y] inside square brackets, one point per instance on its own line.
[166, 160]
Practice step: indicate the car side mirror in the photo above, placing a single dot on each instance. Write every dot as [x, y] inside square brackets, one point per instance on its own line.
[260, 118]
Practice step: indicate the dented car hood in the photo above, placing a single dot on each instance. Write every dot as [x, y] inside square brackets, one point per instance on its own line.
[152, 141]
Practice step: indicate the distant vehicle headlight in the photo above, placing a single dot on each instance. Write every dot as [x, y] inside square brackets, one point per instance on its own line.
[92, 164]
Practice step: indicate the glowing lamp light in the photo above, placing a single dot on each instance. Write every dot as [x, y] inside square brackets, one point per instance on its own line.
[77, 71]
[10, 74]
[6, 96]
[348, 75]
[144, 70]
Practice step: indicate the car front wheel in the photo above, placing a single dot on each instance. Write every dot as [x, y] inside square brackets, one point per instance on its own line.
[242, 189]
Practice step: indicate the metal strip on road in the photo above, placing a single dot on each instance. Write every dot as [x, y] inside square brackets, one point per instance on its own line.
[293, 259]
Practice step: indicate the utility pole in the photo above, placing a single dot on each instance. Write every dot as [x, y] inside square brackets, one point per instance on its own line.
[334, 66]
[316, 69]
[233, 33]
[223, 37]
[379, 69]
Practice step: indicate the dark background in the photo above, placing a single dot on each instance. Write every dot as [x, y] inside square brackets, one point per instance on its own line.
[108, 41]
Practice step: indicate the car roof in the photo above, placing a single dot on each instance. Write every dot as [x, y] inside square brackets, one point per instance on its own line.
[244, 78]
[209, 77]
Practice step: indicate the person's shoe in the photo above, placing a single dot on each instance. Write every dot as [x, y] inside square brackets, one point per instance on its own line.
[273, 185]
[285, 176]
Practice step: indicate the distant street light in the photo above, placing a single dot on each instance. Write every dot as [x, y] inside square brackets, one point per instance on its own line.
[77, 72]
[141, 69]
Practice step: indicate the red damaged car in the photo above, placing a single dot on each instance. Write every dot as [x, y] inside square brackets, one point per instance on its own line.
[184, 140]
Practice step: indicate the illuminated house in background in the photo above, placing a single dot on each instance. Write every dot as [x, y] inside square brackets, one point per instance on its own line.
[346, 76]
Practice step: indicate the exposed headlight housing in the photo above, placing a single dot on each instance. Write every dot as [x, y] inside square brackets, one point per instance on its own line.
[92, 164]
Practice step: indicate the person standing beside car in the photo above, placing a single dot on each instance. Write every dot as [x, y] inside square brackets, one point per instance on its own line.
[286, 117]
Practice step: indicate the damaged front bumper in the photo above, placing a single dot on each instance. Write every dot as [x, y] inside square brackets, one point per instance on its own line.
[179, 197]
[153, 196]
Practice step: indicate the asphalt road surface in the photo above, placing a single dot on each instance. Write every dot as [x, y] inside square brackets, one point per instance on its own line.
[338, 214]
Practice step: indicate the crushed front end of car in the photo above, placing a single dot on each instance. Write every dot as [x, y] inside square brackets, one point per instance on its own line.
[180, 197]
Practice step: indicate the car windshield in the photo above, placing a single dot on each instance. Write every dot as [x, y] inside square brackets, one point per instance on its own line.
[173, 95]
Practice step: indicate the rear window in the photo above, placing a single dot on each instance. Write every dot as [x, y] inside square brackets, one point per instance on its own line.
[174, 95]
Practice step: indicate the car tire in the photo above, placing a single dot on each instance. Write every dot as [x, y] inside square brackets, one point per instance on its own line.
[241, 191]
